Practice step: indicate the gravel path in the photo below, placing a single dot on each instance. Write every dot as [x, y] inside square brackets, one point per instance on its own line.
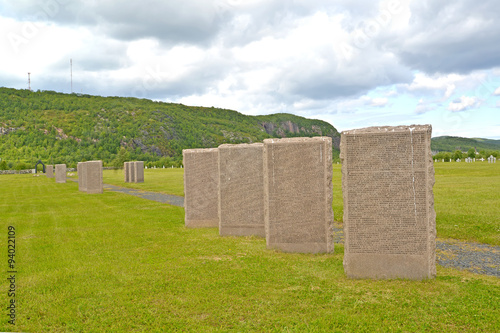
[155, 196]
[473, 257]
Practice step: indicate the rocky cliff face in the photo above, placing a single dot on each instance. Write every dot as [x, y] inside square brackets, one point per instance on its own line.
[286, 128]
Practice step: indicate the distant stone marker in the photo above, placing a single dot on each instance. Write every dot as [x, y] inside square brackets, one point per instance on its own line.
[389, 218]
[139, 171]
[81, 169]
[49, 171]
[241, 190]
[60, 173]
[201, 187]
[93, 174]
[131, 172]
[126, 172]
[298, 194]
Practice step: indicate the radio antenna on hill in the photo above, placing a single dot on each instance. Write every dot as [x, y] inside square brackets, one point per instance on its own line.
[29, 81]
[71, 73]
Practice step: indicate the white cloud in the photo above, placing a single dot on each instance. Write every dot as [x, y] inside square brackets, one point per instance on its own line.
[497, 91]
[464, 103]
[379, 102]
[442, 84]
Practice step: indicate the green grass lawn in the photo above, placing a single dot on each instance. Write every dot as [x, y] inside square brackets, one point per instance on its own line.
[169, 181]
[466, 197]
[117, 263]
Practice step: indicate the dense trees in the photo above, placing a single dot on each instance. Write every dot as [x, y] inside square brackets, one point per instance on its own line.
[68, 128]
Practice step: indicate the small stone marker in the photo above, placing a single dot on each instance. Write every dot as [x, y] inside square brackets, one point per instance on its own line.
[201, 187]
[241, 190]
[125, 172]
[131, 172]
[49, 171]
[298, 194]
[139, 171]
[93, 177]
[81, 169]
[389, 218]
[60, 173]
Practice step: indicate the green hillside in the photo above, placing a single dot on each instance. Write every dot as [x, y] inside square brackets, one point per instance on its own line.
[452, 143]
[68, 128]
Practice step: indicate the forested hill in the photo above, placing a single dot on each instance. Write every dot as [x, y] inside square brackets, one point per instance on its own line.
[68, 128]
[452, 143]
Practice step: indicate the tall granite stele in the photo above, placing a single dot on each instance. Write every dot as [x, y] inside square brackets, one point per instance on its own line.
[49, 171]
[201, 187]
[131, 172]
[139, 171]
[60, 173]
[241, 190]
[389, 218]
[81, 170]
[93, 181]
[298, 194]
[126, 172]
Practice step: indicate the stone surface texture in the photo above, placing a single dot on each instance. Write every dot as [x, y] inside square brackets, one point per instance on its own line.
[60, 173]
[93, 179]
[126, 172]
[81, 169]
[201, 187]
[49, 171]
[139, 171]
[131, 172]
[389, 218]
[298, 194]
[241, 190]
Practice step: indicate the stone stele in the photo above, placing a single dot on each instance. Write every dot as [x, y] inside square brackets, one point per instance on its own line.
[125, 172]
[241, 190]
[60, 173]
[389, 218]
[49, 171]
[81, 168]
[298, 194]
[139, 171]
[131, 172]
[201, 187]
[93, 171]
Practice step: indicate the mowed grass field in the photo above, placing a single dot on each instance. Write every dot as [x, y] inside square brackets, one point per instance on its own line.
[466, 197]
[117, 263]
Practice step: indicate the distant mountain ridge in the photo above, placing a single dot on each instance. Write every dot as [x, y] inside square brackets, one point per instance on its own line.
[452, 143]
[68, 128]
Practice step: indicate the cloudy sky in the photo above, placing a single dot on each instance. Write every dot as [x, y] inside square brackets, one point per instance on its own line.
[353, 63]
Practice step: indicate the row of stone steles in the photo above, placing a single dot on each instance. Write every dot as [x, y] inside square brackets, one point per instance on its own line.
[59, 174]
[281, 189]
[90, 177]
[133, 172]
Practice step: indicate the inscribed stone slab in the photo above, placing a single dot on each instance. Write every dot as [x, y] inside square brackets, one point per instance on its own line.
[241, 190]
[126, 172]
[49, 171]
[93, 170]
[201, 187]
[389, 218]
[131, 172]
[139, 171]
[81, 169]
[60, 173]
[298, 194]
